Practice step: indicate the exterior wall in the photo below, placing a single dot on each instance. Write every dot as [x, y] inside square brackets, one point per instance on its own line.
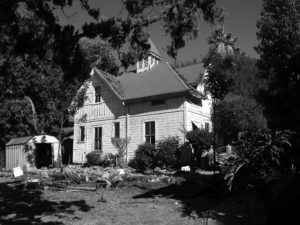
[168, 118]
[198, 114]
[101, 114]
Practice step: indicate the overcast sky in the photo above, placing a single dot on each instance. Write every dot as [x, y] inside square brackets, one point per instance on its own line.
[241, 19]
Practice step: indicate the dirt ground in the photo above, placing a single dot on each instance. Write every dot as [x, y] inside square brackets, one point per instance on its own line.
[137, 202]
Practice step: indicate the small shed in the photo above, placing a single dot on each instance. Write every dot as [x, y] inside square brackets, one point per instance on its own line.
[31, 152]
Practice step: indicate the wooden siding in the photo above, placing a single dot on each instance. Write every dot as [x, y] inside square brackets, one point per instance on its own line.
[199, 114]
[167, 123]
[82, 148]
[108, 107]
[147, 107]
[15, 156]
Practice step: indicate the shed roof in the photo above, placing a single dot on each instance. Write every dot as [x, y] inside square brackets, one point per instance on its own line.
[37, 139]
[19, 140]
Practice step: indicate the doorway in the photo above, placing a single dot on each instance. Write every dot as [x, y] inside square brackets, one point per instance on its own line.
[43, 155]
[67, 151]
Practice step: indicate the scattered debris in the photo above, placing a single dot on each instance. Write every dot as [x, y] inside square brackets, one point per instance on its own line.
[186, 168]
[17, 171]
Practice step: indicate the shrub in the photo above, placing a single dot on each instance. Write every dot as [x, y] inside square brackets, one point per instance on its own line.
[94, 158]
[167, 149]
[145, 157]
[201, 140]
[261, 157]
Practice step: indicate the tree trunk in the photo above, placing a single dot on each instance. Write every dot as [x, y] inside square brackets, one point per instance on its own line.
[59, 156]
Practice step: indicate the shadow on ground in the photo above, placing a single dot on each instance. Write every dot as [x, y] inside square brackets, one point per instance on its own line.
[19, 205]
[201, 196]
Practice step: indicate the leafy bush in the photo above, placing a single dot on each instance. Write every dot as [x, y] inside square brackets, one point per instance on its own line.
[261, 158]
[94, 158]
[167, 149]
[201, 140]
[145, 157]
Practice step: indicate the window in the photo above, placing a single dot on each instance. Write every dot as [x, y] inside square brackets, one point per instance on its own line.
[207, 127]
[146, 62]
[150, 132]
[98, 138]
[97, 94]
[81, 135]
[194, 126]
[117, 129]
[140, 64]
[158, 102]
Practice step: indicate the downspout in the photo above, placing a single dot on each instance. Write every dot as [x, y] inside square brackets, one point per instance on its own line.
[127, 128]
[184, 121]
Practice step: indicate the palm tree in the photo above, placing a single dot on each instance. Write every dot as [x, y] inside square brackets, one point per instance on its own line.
[221, 43]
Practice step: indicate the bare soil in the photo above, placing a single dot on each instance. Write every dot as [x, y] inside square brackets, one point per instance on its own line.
[137, 202]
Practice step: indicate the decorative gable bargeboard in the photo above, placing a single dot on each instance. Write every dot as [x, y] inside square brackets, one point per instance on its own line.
[152, 103]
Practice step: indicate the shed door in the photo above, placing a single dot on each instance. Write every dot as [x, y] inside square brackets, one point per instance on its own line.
[44, 155]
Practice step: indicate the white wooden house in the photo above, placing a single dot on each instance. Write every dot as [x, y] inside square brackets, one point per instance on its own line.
[153, 102]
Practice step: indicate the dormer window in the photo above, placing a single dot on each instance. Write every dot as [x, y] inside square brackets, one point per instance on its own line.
[150, 59]
[97, 94]
[146, 63]
[140, 63]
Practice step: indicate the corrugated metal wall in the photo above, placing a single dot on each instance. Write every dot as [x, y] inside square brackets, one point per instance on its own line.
[15, 156]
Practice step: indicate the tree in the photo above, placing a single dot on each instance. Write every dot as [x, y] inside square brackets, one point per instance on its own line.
[232, 79]
[48, 62]
[279, 50]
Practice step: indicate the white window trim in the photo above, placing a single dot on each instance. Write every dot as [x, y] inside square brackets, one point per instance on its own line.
[144, 129]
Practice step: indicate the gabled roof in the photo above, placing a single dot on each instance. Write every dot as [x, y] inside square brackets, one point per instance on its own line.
[192, 73]
[19, 140]
[160, 80]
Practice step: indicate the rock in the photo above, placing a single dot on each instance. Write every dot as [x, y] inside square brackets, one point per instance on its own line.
[157, 170]
[116, 180]
[148, 172]
[103, 182]
[121, 171]
[106, 175]
[44, 174]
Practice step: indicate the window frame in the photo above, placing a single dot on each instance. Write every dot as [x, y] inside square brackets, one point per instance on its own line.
[81, 135]
[117, 129]
[97, 139]
[146, 63]
[150, 132]
[98, 94]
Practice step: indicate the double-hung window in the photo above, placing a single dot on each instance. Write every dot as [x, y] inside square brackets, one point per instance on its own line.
[98, 138]
[81, 135]
[117, 129]
[97, 94]
[150, 132]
